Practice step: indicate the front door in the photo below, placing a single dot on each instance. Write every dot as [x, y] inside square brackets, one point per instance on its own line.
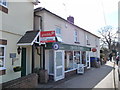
[88, 59]
[58, 65]
[23, 62]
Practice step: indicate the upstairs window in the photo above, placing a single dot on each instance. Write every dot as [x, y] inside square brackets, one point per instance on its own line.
[3, 3]
[96, 42]
[58, 30]
[76, 36]
[87, 40]
[58, 34]
[2, 56]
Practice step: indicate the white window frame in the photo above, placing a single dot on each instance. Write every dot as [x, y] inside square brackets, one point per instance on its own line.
[96, 42]
[1, 3]
[3, 56]
[74, 58]
[72, 63]
[58, 35]
[59, 28]
[87, 39]
[76, 34]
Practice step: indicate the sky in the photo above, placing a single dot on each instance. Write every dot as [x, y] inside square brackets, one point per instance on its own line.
[88, 14]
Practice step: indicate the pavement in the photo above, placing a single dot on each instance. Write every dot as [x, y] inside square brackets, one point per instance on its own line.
[94, 78]
[110, 80]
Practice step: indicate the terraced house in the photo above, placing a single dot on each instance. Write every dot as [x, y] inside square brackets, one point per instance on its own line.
[69, 46]
[41, 39]
[16, 17]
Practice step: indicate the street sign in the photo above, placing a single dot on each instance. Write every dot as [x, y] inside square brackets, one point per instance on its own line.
[47, 39]
[47, 36]
[80, 69]
[55, 46]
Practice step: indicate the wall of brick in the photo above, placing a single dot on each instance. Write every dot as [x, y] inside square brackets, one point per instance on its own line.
[69, 74]
[29, 81]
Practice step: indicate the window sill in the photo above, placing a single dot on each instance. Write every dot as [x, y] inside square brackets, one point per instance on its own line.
[77, 42]
[88, 44]
[2, 71]
[70, 70]
[4, 9]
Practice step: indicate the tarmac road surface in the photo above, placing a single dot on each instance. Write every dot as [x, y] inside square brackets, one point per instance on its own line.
[102, 77]
[94, 78]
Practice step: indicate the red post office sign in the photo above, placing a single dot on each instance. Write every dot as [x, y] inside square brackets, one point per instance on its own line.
[47, 34]
[94, 49]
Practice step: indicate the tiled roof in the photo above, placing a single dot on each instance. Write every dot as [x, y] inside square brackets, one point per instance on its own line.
[28, 37]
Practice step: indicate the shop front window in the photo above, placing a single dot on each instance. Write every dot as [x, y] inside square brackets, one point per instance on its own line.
[2, 56]
[76, 58]
[84, 58]
[88, 57]
[68, 60]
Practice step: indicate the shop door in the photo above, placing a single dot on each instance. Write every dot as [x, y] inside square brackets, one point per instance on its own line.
[58, 65]
[88, 59]
[23, 62]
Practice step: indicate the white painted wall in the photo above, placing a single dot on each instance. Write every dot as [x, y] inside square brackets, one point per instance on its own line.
[28, 59]
[50, 21]
[19, 18]
[12, 26]
[11, 47]
[37, 59]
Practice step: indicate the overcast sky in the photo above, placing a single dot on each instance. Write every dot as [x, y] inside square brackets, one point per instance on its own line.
[88, 14]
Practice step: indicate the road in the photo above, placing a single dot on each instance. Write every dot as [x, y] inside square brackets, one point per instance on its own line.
[102, 77]
[95, 78]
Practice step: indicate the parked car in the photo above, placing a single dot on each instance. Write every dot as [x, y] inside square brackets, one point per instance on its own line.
[119, 70]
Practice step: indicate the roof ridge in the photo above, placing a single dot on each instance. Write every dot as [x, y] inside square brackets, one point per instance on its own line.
[41, 8]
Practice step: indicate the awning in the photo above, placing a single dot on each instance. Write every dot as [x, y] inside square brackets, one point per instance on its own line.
[29, 38]
[63, 46]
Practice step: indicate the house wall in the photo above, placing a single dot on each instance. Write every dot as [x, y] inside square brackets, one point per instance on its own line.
[94, 43]
[50, 22]
[15, 23]
[37, 59]
[11, 47]
[28, 59]
[19, 17]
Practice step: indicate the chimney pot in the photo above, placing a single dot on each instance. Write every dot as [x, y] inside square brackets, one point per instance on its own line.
[70, 19]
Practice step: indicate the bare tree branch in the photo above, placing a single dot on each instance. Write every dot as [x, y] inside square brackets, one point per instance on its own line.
[107, 36]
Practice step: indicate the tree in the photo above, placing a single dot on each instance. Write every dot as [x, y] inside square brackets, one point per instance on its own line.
[107, 37]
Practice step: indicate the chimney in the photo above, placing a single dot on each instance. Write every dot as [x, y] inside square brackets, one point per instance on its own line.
[70, 19]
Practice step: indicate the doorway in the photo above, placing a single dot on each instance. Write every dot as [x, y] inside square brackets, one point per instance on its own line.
[23, 62]
[58, 65]
[88, 59]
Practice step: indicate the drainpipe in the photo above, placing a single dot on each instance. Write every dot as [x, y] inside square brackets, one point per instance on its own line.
[42, 60]
[33, 57]
[43, 57]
